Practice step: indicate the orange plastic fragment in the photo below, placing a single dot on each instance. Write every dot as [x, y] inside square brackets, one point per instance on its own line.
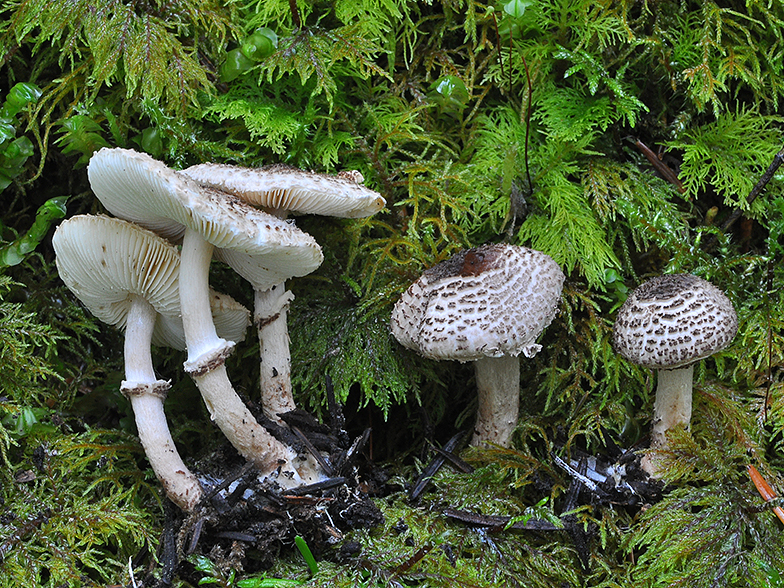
[765, 490]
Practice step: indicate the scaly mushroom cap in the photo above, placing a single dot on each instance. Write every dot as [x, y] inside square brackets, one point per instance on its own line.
[490, 301]
[284, 188]
[136, 187]
[672, 321]
[105, 261]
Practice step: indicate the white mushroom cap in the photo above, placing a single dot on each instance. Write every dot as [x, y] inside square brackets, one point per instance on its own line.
[105, 261]
[136, 187]
[231, 320]
[284, 188]
[672, 321]
[489, 301]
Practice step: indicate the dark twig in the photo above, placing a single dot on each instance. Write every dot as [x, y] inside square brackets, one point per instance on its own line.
[347, 457]
[579, 537]
[325, 465]
[498, 522]
[295, 15]
[664, 170]
[433, 467]
[336, 417]
[778, 159]
[228, 481]
[195, 536]
[456, 462]
[310, 488]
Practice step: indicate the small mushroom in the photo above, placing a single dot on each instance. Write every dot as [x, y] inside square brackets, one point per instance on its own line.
[668, 324]
[127, 277]
[280, 189]
[486, 305]
[138, 188]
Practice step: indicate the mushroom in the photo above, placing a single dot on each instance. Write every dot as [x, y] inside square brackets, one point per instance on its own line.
[668, 324]
[280, 189]
[138, 188]
[486, 305]
[127, 277]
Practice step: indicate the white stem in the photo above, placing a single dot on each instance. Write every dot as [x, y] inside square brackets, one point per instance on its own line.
[498, 387]
[202, 340]
[671, 408]
[673, 402]
[206, 355]
[271, 308]
[146, 394]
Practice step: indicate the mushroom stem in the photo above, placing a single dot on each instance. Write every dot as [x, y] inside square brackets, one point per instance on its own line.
[671, 408]
[206, 355]
[498, 387]
[146, 394]
[271, 308]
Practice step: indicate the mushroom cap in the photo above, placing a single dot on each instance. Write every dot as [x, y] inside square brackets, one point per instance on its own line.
[490, 301]
[106, 261]
[136, 187]
[672, 321]
[231, 321]
[283, 187]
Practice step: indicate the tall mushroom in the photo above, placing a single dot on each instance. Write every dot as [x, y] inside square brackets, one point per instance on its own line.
[486, 305]
[280, 189]
[668, 324]
[127, 277]
[138, 188]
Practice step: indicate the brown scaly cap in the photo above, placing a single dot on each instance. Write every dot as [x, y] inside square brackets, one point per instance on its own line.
[284, 188]
[674, 320]
[490, 301]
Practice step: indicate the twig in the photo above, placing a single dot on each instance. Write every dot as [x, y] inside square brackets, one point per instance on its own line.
[433, 467]
[499, 522]
[778, 159]
[666, 172]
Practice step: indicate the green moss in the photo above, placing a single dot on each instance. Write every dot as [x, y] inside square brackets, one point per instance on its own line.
[359, 85]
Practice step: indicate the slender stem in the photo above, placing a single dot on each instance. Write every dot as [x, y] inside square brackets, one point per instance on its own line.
[202, 340]
[271, 307]
[295, 17]
[206, 355]
[673, 403]
[146, 394]
[671, 408]
[498, 387]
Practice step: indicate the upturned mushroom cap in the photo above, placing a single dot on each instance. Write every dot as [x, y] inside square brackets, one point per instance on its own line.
[672, 321]
[105, 261]
[284, 188]
[136, 187]
[490, 301]
[231, 320]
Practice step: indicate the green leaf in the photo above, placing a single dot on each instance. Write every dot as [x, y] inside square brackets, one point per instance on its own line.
[516, 8]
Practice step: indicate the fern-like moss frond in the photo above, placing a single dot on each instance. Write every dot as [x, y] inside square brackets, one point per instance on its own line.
[152, 50]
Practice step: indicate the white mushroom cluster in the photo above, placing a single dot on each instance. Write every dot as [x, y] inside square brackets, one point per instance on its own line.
[129, 274]
[280, 190]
